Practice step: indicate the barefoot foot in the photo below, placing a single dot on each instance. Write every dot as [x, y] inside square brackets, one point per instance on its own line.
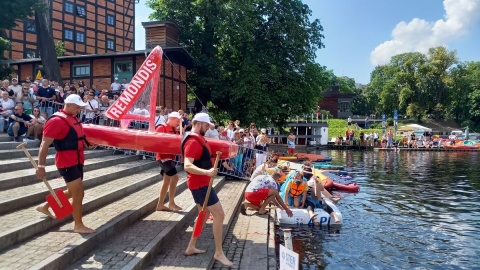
[44, 210]
[83, 229]
[221, 258]
[174, 207]
[193, 251]
[163, 208]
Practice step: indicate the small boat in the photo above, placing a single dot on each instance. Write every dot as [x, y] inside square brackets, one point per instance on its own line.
[314, 157]
[321, 165]
[467, 144]
[301, 216]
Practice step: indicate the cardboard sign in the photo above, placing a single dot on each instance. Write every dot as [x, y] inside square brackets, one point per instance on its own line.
[288, 259]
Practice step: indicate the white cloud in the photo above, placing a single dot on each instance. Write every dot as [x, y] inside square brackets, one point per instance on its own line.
[419, 35]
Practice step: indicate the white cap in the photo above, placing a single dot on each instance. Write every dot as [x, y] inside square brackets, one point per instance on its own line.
[202, 117]
[175, 114]
[116, 79]
[75, 99]
[241, 130]
[263, 130]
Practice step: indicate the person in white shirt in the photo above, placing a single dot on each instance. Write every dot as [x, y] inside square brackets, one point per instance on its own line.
[6, 110]
[261, 191]
[211, 132]
[15, 87]
[115, 87]
[91, 108]
[141, 110]
[159, 117]
[124, 84]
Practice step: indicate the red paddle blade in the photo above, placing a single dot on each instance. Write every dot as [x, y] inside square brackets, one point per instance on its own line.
[60, 212]
[197, 230]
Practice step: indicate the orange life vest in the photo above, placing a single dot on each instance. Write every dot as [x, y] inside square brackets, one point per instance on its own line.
[297, 189]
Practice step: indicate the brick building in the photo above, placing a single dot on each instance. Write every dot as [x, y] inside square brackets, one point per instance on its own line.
[86, 27]
[338, 104]
[101, 69]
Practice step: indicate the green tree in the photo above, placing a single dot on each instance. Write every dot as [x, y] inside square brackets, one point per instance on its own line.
[253, 59]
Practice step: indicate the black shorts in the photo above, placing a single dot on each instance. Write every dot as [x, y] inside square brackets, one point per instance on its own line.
[200, 194]
[71, 173]
[168, 167]
[325, 207]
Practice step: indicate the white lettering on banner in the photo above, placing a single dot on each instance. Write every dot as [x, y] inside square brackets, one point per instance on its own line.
[136, 85]
[288, 259]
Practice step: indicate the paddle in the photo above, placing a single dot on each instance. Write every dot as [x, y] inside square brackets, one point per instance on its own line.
[57, 200]
[197, 230]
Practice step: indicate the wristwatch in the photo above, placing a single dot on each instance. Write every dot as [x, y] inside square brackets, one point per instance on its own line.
[40, 166]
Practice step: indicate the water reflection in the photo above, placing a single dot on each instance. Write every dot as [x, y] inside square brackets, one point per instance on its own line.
[414, 210]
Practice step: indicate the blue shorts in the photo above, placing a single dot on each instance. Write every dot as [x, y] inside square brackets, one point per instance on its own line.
[290, 199]
[200, 194]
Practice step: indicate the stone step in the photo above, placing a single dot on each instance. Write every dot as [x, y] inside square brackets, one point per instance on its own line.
[14, 164]
[5, 138]
[26, 177]
[9, 154]
[171, 255]
[20, 197]
[116, 196]
[13, 145]
[136, 245]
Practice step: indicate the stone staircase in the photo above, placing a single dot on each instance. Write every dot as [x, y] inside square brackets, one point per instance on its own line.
[121, 192]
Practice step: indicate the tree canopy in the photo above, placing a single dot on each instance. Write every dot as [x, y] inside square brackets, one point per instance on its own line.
[435, 84]
[253, 59]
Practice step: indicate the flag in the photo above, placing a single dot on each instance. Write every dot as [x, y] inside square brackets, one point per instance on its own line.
[39, 75]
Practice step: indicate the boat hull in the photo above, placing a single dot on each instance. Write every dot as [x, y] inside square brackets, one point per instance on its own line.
[301, 216]
[149, 141]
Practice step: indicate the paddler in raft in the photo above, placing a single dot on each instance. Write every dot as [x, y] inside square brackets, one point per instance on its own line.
[314, 197]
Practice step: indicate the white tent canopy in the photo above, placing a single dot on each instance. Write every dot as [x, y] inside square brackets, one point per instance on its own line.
[407, 129]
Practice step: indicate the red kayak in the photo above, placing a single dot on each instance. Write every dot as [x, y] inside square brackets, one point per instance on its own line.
[149, 141]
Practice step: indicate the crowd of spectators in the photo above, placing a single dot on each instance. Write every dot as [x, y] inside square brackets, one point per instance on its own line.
[26, 106]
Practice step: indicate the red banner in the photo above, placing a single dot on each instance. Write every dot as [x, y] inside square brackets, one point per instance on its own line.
[148, 72]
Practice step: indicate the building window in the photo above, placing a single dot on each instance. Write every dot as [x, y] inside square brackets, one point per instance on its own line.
[30, 53]
[110, 20]
[68, 34]
[68, 7]
[343, 106]
[81, 37]
[81, 11]
[110, 44]
[30, 26]
[81, 70]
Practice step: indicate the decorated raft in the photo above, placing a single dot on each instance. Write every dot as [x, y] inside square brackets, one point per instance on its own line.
[143, 91]
[301, 216]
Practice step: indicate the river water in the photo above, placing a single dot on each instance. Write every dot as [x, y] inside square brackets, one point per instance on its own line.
[415, 210]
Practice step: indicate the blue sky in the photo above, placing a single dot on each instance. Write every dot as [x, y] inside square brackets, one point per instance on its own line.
[360, 34]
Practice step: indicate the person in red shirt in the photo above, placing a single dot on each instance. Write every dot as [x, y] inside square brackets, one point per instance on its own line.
[65, 131]
[199, 167]
[167, 163]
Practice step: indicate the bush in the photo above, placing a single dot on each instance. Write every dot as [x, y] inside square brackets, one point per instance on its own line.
[389, 121]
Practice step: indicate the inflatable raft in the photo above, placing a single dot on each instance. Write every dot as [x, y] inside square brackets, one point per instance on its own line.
[465, 145]
[301, 216]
